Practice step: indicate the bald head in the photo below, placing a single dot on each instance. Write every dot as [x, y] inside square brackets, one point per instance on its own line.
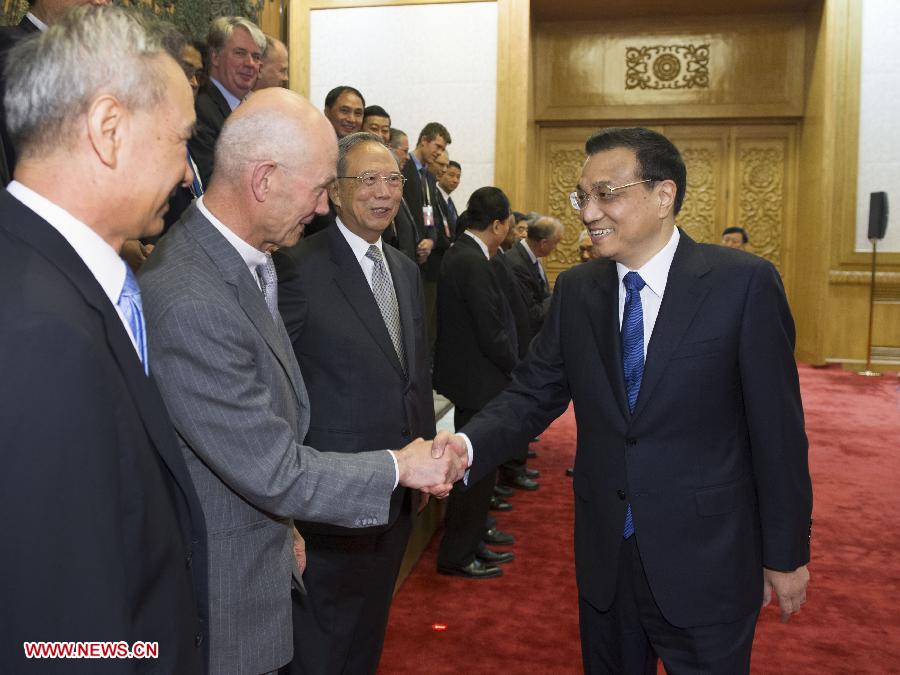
[275, 158]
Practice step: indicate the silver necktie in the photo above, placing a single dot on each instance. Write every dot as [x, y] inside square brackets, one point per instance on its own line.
[387, 302]
[269, 281]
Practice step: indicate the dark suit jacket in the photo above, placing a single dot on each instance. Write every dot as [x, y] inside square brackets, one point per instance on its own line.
[360, 398]
[507, 279]
[102, 529]
[714, 458]
[403, 234]
[414, 191]
[9, 36]
[475, 350]
[531, 285]
[212, 110]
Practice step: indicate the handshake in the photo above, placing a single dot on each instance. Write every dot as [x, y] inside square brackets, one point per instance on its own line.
[433, 466]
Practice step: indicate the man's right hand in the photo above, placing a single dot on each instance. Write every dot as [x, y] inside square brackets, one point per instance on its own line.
[432, 472]
[423, 250]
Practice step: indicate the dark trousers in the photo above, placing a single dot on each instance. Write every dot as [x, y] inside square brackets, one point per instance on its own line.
[629, 636]
[339, 624]
[466, 513]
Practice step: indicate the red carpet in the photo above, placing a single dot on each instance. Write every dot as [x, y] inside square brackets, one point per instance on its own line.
[527, 621]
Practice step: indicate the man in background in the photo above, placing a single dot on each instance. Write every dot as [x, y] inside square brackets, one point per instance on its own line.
[344, 107]
[735, 237]
[273, 72]
[236, 46]
[447, 183]
[377, 121]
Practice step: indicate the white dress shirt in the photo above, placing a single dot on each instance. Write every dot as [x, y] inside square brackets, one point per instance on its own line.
[360, 247]
[252, 257]
[40, 25]
[99, 257]
[232, 100]
[481, 244]
[534, 259]
[655, 274]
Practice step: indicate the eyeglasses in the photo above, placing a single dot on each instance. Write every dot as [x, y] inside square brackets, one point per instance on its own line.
[580, 198]
[369, 179]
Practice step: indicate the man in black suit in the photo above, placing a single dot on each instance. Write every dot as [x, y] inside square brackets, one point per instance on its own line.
[476, 350]
[236, 46]
[353, 309]
[544, 234]
[89, 451]
[447, 183]
[420, 194]
[692, 489]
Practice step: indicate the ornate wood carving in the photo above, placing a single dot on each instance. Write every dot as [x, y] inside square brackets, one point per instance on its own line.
[565, 170]
[698, 213]
[761, 198]
[667, 67]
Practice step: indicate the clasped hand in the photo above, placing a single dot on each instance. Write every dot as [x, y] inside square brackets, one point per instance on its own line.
[433, 466]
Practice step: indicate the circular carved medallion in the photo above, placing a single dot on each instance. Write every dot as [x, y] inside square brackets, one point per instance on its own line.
[666, 67]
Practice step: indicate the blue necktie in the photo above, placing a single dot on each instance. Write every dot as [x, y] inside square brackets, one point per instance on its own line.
[196, 184]
[632, 353]
[130, 305]
[451, 208]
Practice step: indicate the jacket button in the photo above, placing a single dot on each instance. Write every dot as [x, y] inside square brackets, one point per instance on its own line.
[198, 639]
[630, 441]
[621, 494]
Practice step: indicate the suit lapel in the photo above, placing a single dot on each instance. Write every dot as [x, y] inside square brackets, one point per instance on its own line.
[235, 273]
[685, 292]
[403, 288]
[41, 236]
[349, 277]
[603, 309]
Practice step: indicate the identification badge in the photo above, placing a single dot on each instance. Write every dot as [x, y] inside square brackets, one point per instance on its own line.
[428, 215]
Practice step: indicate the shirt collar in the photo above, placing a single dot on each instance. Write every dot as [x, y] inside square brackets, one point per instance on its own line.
[41, 26]
[481, 244]
[655, 271]
[99, 257]
[359, 245]
[444, 193]
[251, 256]
[415, 159]
[232, 100]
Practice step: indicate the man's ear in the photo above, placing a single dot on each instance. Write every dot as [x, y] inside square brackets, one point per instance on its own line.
[667, 191]
[334, 194]
[108, 123]
[260, 178]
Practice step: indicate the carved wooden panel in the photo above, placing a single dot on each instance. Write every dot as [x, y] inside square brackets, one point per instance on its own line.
[761, 203]
[667, 67]
[564, 172]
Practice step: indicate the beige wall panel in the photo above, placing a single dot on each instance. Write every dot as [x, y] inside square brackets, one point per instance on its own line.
[670, 68]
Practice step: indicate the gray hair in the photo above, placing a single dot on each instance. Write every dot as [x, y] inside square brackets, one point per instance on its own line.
[396, 135]
[544, 227]
[222, 27]
[52, 78]
[350, 141]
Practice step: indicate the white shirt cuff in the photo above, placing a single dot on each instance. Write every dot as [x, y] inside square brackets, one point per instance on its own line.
[397, 468]
[471, 452]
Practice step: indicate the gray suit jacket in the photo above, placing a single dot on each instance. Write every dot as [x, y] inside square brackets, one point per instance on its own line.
[234, 390]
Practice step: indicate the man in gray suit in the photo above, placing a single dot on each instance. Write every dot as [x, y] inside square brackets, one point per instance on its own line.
[233, 387]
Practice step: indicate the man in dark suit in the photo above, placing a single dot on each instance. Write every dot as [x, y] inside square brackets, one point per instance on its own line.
[447, 183]
[476, 351]
[692, 488]
[105, 531]
[236, 46]
[544, 234]
[353, 309]
[421, 195]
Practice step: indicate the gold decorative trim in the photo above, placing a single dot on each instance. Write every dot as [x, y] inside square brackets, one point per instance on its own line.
[857, 278]
[667, 67]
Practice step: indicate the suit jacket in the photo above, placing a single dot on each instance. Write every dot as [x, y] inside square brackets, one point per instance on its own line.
[360, 397]
[403, 234]
[476, 346]
[507, 279]
[714, 458]
[414, 192]
[531, 285]
[102, 529]
[240, 407]
[212, 109]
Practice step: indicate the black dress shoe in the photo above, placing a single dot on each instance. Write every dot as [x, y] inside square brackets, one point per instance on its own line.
[522, 483]
[490, 557]
[503, 491]
[498, 537]
[570, 472]
[532, 473]
[498, 504]
[532, 454]
[474, 570]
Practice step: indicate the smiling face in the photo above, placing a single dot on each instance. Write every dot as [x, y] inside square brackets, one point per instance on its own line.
[630, 225]
[429, 150]
[378, 125]
[237, 64]
[367, 211]
[346, 114]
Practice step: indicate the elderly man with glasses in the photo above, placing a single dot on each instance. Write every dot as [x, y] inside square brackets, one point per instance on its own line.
[353, 308]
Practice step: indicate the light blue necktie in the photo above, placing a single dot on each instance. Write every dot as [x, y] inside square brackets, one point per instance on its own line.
[632, 353]
[130, 305]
